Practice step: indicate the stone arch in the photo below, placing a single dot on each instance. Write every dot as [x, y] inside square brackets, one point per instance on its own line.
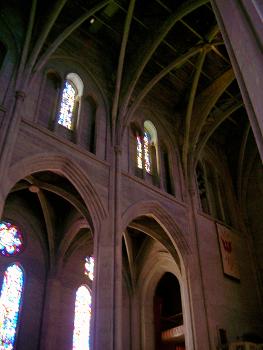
[156, 211]
[154, 268]
[71, 170]
[149, 278]
[66, 242]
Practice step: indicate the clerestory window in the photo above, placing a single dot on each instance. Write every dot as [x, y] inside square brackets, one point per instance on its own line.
[68, 104]
[146, 149]
[70, 101]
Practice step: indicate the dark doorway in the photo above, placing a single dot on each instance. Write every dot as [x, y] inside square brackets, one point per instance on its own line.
[168, 315]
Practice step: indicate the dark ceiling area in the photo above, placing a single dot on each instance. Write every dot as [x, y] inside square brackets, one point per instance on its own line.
[166, 54]
[174, 58]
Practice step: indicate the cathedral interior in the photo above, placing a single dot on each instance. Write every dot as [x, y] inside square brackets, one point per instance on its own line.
[141, 121]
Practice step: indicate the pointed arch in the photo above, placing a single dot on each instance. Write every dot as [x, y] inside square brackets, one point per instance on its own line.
[148, 280]
[72, 171]
[155, 210]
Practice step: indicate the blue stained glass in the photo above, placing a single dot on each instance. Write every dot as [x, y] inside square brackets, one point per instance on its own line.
[11, 240]
[81, 332]
[10, 299]
[67, 105]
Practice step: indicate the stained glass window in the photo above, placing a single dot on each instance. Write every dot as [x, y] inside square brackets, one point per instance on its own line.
[89, 267]
[10, 300]
[147, 155]
[67, 105]
[81, 334]
[139, 152]
[143, 152]
[11, 241]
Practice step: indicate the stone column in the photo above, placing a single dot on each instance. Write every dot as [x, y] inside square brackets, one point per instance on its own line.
[202, 338]
[51, 313]
[103, 291]
[108, 280]
[135, 323]
[240, 22]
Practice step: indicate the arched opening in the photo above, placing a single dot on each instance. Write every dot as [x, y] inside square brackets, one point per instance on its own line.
[70, 101]
[168, 317]
[151, 265]
[57, 256]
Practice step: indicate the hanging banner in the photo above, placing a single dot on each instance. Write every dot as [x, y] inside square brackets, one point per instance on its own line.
[227, 242]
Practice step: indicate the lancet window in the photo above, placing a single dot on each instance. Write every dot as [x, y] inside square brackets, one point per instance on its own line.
[67, 106]
[139, 152]
[81, 333]
[146, 149]
[70, 101]
[10, 304]
[144, 152]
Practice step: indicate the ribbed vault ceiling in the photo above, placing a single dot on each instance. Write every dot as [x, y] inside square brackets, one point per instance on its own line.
[168, 54]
